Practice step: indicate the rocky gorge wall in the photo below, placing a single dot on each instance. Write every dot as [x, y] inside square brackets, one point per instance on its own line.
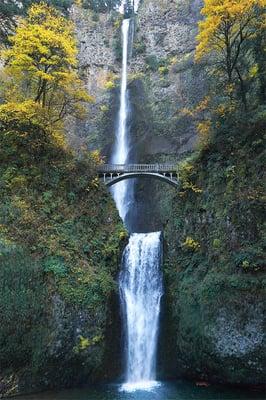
[163, 80]
[163, 77]
[99, 44]
[59, 322]
[212, 313]
[215, 285]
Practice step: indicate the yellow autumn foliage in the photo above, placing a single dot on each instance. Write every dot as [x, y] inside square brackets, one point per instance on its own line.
[191, 244]
[186, 171]
[41, 66]
[225, 19]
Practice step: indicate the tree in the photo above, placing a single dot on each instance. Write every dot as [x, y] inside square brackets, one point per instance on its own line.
[41, 65]
[10, 10]
[226, 32]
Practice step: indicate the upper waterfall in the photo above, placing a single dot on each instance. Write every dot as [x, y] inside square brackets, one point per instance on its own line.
[120, 153]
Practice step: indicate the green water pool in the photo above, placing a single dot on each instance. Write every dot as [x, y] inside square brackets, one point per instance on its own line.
[179, 390]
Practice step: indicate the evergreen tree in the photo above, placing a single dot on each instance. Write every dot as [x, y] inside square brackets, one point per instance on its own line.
[8, 9]
[11, 9]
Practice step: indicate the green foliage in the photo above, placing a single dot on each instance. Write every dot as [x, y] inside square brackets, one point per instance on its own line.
[157, 65]
[139, 47]
[11, 9]
[251, 258]
[221, 198]
[53, 205]
[163, 70]
[152, 62]
[117, 48]
[23, 305]
[55, 265]
[62, 5]
[220, 203]
[85, 343]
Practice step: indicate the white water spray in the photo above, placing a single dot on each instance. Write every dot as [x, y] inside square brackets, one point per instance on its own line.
[140, 280]
[120, 154]
[141, 289]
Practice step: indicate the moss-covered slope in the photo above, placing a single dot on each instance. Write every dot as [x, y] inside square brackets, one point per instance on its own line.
[214, 260]
[60, 244]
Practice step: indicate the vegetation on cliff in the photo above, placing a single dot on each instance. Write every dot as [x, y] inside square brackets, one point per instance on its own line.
[11, 10]
[60, 235]
[215, 269]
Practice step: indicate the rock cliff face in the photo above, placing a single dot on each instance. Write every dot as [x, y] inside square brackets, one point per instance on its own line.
[217, 327]
[163, 80]
[214, 265]
[98, 37]
[63, 340]
[163, 77]
[212, 322]
[163, 61]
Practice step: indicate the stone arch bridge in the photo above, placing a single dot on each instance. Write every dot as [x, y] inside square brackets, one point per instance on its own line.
[114, 173]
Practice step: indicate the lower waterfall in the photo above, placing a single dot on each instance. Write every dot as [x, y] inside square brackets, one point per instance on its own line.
[141, 288]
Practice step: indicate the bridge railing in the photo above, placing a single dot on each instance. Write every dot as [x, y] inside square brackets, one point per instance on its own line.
[122, 168]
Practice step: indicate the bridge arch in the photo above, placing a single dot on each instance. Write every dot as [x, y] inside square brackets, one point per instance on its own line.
[130, 175]
[114, 173]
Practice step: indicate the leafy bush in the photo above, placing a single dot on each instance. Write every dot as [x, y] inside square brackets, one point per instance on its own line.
[139, 47]
[191, 244]
[109, 85]
[163, 70]
[152, 62]
[56, 265]
[23, 308]
[117, 48]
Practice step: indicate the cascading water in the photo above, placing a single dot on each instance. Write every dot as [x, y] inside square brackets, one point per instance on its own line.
[140, 279]
[140, 286]
[120, 154]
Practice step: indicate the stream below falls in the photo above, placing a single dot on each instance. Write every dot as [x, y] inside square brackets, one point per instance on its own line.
[179, 390]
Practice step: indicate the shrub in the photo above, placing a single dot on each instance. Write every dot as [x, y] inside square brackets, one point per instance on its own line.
[109, 85]
[163, 70]
[191, 244]
[152, 62]
[23, 299]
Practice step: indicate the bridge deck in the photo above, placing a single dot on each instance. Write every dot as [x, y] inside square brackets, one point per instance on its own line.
[127, 168]
[114, 173]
